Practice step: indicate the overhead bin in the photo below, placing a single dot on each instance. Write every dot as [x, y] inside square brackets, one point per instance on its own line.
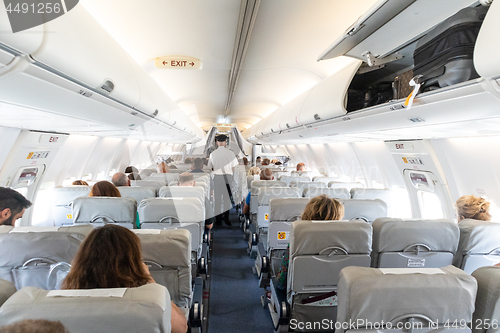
[488, 44]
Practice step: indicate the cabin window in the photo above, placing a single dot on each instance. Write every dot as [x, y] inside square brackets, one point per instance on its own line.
[42, 206]
[100, 175]
[430, 205]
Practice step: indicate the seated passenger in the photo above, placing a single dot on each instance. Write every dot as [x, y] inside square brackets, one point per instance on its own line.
[472, 207]
[253, 171]
[301, 167]
[205, 161]
[34, 326]
[197, 166]
[173, 167]
[320, 208]
[134, 176]
[188, 161]
[278, 163]
[186, 179]
[110, 257]
[120, 179]
[245, 161]
[106, 189]
[163, 168]
[131, 169]
[80, 182]
[274, 161]
[12, 206]
[258, 160]
[266, 174]
[266, 161]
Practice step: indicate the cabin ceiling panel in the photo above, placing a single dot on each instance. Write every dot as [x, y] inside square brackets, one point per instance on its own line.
[202, 29]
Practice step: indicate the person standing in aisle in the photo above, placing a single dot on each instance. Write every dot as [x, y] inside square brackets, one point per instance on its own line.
[222, 161]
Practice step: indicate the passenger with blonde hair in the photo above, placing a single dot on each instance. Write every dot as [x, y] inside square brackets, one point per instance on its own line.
[320, 208]
[110, 257]
[472, 207]
[253, 171]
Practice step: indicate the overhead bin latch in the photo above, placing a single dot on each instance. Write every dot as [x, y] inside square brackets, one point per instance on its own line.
[372, 60]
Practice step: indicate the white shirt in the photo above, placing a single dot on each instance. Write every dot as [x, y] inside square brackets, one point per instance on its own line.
[222, 160]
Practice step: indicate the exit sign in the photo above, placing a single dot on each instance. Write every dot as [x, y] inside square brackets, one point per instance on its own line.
[178, 62]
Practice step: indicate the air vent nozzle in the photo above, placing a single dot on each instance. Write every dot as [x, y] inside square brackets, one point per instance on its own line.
[317, 117]
[108, 86]
[155, 113]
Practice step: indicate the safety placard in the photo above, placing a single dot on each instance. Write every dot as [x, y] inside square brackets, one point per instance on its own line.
[37, 154]
[266, 217]
[69, 216]
[282, 235]
[416, 263]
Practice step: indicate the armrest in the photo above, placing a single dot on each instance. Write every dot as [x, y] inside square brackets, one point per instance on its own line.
[264, 260]
[196, 311]
[203, 261]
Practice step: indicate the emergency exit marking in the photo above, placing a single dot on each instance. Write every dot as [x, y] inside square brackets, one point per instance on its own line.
[37, 155]
[178, 62]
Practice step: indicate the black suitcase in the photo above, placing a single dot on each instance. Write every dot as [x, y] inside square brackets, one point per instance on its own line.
[374, 95]
[444, 56]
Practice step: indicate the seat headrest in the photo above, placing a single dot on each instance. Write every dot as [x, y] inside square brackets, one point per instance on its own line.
[62, 196]
[367, 210]
[441, 294]
[336, 193]
[286, 209]
[5, 228]
[289, 179]
[142, 309]
[478, 237]
[169, 248]
[83, 229]
[265, 194]
[266, 183]
[488, 295]
[182, 192]
[19, 247]
[138, 193]
[371, 193]
[185, 209]
[349, 186]
[99, 209]
[147, 183]
[7, 289]
[313, 237]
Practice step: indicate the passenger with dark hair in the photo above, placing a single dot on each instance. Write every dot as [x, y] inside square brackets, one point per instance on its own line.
[186, 179]
[258, 160]
[110, 257]
[106, 189]
[245, 161]
[266, 161]
[197, 165]
[34, 326]
[12, 206]
[472, 207]
[131, 169]
[265, 174]
[173, 167]
[120, 179]
[80, 182]
[134, 176]
[188, 161]
[320, 208]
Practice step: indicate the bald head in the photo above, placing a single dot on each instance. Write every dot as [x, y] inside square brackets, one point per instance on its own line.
[120, 179]
[266, 174]
[186, 179]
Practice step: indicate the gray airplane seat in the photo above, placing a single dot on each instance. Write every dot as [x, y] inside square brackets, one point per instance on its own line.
[293, 178]
[147, 183]
[147, 172]
[63, 198]
[5, 228]
[177, 213]
[348, 185]
[265, 195]
[137, 193]
[255, 185]
[183, 192]
[98, 211]
[336, 193]
[414, 243]
[250, 179]
[39, 256]
[479, 245]
[324, 180]
[319, 250]
[164, 178]
[487, 315]
[7, 289]
[119, 310]
[420, 299]
[168, 256]
[303, 186]
[366, 210]
[282, 213]
[374, 193]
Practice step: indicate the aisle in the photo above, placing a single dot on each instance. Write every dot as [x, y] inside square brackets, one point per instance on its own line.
[235, 297]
